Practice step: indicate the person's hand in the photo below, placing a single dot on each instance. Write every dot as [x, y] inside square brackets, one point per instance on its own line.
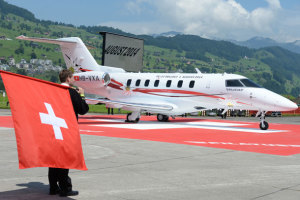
[80, 91]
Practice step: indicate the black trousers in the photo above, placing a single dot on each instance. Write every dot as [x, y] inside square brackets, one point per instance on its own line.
[59, 179]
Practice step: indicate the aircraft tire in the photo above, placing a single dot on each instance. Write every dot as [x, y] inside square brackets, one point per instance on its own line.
[131, 121]
[166, 118]
[266, 125]
[162, 118]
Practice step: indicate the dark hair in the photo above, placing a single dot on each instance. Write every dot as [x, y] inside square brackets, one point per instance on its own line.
[64, 74]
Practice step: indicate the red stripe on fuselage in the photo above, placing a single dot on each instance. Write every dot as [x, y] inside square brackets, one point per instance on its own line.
[112, 85]
[152, 91]
[85, 70]
[116, 82]
[244, 103]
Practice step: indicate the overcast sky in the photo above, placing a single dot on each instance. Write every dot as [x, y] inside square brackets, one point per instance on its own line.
[222, 19]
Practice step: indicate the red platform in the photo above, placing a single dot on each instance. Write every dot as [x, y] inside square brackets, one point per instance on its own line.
[280, 139]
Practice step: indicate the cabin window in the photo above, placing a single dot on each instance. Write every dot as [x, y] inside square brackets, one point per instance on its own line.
[192, 83]
[168, 83]
[147, 83]
[128, 82]
[138, 82]
[234, 83]
[179, 84]
[156, 83]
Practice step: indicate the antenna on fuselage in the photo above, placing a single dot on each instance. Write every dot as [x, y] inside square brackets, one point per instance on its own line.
[197, 70]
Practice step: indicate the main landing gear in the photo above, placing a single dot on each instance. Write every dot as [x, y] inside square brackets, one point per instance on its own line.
[263, 125]
[133, 117]
[162, 118]
[224, 113]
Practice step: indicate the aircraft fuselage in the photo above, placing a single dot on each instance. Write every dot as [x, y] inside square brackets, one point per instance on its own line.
[187, 93]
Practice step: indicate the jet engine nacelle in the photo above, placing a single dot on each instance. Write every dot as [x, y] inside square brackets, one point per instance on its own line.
[90, 81]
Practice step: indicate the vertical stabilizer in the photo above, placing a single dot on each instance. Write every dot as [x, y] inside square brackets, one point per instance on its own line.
[75, 53]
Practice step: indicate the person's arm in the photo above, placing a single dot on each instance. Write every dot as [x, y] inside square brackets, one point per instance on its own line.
[79, 104]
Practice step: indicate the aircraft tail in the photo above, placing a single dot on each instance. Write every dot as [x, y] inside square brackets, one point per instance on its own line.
[75, 53]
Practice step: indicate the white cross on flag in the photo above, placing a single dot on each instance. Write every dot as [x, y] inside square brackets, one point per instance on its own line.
[45, 123]
[54, 121]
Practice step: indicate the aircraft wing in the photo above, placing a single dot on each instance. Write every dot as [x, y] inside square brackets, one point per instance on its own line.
[142, 106]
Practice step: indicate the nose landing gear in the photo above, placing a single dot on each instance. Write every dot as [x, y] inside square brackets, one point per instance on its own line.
[263, 125]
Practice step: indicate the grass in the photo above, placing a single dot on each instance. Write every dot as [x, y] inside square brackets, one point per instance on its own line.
[93, 108]
[102, 109]
[3, 102]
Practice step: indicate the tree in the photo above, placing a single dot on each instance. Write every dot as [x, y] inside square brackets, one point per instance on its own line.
[9, 26]
[21, 71]
[20, 50]
[54, 79]
[1, 85]
[33, 55]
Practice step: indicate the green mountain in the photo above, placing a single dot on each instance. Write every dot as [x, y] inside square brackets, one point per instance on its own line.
[275, 68]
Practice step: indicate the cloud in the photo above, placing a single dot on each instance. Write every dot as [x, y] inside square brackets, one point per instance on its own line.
[218, 18]
[224, 19]
[138, 27]
[213, 18]
[275, 4]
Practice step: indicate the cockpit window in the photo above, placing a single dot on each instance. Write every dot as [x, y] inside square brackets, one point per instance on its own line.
[249, 83]
[241, 83]
[234, 83]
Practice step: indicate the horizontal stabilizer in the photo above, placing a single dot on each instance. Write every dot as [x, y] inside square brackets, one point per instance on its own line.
[60, 41]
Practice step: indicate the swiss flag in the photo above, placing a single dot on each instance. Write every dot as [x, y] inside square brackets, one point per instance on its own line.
[45, 124]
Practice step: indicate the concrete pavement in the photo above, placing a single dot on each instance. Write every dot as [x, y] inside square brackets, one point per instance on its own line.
[128, 169]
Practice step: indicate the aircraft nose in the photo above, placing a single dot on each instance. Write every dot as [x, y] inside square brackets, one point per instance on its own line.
[288, 105]
[293, 106]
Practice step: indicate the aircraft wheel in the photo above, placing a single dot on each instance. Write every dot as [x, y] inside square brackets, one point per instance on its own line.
[162, 118]
[266, 125]
[127, 117]
[131, 121]
[166, 118]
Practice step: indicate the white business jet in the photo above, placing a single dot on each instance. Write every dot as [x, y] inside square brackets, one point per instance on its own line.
[167, 94]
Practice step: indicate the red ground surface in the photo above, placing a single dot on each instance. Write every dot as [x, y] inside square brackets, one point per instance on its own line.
[280, 139]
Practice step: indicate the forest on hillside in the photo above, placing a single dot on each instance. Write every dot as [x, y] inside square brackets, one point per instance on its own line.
[275, 68]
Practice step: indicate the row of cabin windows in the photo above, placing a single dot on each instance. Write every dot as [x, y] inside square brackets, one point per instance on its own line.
[156, 83]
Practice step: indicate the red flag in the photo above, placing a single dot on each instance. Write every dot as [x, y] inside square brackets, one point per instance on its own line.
[45, 124]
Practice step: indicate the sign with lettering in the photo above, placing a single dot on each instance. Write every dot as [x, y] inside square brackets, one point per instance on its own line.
[122, 51]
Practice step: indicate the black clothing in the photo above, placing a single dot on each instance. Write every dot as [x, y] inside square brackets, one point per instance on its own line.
[59, 175]
[79, 105]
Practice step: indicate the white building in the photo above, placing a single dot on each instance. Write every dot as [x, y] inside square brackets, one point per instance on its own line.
[33, 61]
[48, 62]
[23, 61]
[11, 61]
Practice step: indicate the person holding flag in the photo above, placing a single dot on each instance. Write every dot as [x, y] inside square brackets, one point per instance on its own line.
[59, 175]
[46, 126]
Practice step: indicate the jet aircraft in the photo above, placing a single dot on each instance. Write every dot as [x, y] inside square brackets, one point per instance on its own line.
[166, 94]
